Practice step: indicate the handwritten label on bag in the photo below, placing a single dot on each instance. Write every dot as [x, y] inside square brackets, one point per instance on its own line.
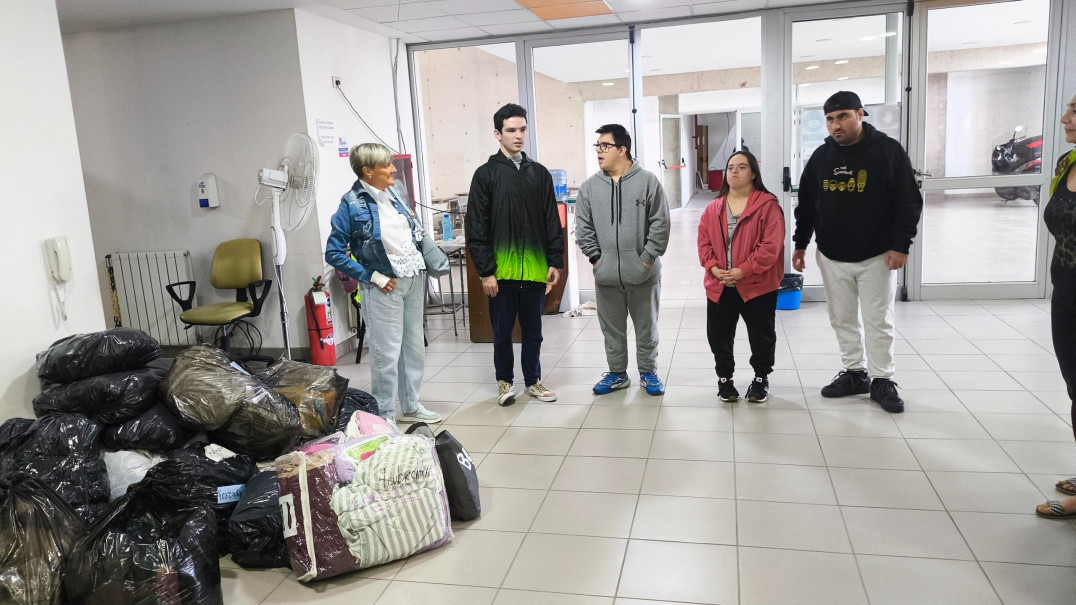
[216, 453]
[230, 493]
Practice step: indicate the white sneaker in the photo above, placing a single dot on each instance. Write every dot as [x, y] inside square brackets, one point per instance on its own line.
[507, 395]
[539, 392]
[421, 415]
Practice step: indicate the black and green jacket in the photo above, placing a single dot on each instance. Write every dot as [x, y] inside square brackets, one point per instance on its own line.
[513, 226]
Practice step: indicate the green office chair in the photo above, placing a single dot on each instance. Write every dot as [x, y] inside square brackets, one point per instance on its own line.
[237, 265]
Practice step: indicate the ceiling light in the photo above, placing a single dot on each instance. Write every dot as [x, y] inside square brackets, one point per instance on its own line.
[824, 40]
[607, 83]
[841, 62]
[868, 38]
[806, 56]
[657, 69]
[887, 34]
[1024, 22]
[969, 43]
[805, 84]
[811, 67]
[842, 78]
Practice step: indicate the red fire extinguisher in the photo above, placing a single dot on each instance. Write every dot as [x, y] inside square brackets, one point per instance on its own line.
[319, 325]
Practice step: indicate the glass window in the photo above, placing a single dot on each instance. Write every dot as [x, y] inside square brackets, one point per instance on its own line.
[986, 82]
[702, 95]
[461, 88]
[860, 54]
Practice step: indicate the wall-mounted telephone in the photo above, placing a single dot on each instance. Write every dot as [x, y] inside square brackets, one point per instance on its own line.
[59, 258]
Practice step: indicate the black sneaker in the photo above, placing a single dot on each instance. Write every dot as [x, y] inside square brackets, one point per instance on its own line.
[759, 390]
[848, 382]
[884, 391]
[725, 391]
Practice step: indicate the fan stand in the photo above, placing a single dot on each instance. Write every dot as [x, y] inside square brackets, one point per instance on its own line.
[280, 252]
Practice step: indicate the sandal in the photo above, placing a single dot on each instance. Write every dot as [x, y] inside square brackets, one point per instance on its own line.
[1053, 510]
[1067, 486]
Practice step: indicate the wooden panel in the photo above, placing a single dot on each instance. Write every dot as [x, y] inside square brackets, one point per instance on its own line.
[569, 11]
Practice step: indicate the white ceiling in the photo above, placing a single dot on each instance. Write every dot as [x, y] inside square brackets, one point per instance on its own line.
[738, 43]
[679, 49]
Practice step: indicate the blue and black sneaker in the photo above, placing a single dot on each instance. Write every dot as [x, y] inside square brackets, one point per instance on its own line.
[610, 382]
[652, 383]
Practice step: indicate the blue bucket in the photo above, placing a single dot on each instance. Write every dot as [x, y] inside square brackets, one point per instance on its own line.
[789, 301]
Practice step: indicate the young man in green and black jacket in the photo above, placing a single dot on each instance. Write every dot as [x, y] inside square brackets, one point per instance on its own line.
[516, 243]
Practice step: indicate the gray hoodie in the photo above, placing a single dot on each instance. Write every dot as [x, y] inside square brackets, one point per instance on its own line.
[624, 224]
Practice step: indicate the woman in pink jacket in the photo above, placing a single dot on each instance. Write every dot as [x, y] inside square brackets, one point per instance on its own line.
[742, 247]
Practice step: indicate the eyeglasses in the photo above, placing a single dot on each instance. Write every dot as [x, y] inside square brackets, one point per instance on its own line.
[603, 146]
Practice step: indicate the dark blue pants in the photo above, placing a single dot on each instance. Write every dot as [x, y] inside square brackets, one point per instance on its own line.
[527, 304]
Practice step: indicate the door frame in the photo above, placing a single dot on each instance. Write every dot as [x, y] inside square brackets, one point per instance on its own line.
[917, 290]
[789, 17]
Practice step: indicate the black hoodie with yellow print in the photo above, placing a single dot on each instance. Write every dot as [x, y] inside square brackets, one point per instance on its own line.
[513, 226]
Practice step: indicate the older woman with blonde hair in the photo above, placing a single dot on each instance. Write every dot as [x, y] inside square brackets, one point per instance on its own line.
[384, 237]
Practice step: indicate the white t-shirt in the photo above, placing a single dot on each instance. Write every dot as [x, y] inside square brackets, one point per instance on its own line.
[396, 236]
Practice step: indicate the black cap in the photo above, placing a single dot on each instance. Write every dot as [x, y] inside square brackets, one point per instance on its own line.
[843, 99]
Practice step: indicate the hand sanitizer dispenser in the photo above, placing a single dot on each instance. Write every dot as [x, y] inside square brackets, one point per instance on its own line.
[206, 192]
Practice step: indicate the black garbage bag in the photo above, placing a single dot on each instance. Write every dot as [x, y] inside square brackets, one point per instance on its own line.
[255, 529]
[38, 532]
[157, 430]
[61, 450]
[85, 355]
[50, 436]
[316, 391]
[90, 513]
[154, 546]
[225, 473]
[355, 400]
[207, 391]
[12, 428]
[110, 398]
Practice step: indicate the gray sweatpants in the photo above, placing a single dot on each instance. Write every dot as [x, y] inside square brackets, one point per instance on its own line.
[614, 306]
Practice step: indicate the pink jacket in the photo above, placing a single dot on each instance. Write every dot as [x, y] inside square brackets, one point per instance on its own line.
[758, 245]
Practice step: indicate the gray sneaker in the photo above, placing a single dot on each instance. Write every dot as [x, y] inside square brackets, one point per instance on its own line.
[421, 415]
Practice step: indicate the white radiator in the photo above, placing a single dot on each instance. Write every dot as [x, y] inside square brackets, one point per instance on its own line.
[139, 298]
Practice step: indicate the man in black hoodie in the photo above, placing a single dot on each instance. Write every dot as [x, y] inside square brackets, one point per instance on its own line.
[859, 197]
[516, 243]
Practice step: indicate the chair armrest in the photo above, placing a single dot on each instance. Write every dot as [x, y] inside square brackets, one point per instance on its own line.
[184, 303]
[259, 298]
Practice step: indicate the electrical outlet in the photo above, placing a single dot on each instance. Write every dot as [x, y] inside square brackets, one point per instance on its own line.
[336, 81]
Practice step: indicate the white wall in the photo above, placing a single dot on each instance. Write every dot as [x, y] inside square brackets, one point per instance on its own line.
[158, 106]
[45, 197]
[363, 62]
[983, 108]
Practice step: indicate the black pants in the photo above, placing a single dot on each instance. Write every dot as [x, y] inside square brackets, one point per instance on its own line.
[1063, 326]
[527, 304]
[759, 315]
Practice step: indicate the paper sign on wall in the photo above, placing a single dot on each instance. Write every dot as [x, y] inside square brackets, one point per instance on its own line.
[345, 151]
[326, 133]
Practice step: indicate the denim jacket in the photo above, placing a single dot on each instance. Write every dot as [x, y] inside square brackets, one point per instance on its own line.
[356, 225]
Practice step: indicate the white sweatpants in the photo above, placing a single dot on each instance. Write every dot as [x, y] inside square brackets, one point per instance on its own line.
[868, 288]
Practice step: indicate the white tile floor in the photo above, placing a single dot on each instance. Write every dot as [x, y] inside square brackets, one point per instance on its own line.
[634, 500]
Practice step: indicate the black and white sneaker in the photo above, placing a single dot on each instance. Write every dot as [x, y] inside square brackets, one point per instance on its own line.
[726, 391]
[759, 390]
[884, 392]
[848, 382]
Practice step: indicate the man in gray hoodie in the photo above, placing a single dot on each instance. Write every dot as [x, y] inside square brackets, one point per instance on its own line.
[622, 226]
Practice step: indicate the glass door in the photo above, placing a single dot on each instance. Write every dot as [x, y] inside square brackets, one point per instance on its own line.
[983, 124]
[860, 50]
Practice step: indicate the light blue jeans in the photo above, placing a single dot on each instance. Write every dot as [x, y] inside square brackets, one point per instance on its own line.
[394, 335]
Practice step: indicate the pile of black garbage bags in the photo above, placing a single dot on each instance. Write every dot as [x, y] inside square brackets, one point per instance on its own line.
[140, 472]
